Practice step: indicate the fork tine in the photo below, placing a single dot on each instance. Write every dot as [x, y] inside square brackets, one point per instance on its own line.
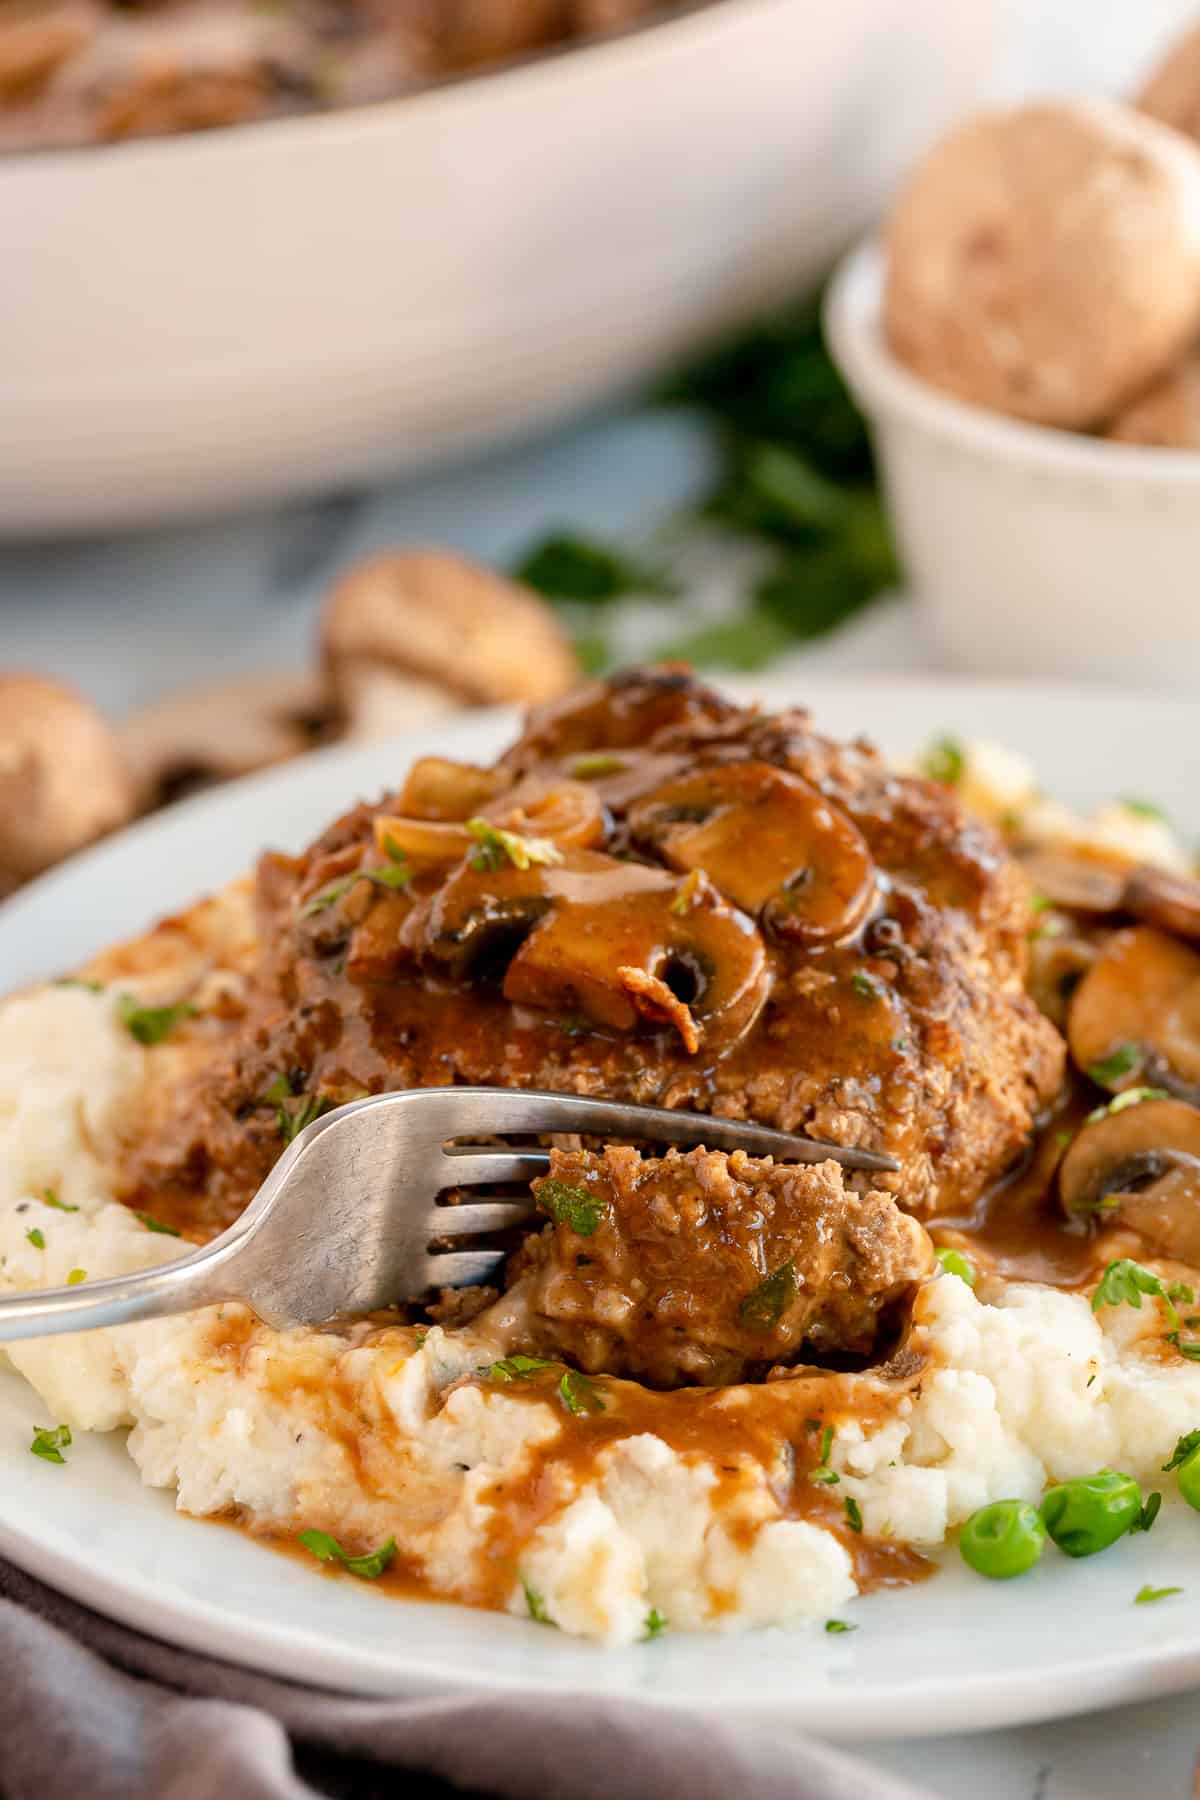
[477, 1216]
[498, 1110]
[471, 1167]
[459, 1268]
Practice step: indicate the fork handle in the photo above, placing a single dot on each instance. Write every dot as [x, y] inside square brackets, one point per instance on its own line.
[201, 1279]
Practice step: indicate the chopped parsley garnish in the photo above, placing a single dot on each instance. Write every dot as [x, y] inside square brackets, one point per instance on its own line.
[394, 873]
[76, 1276]
[77, 981]
[326, 1549]
[823, 1474]
[1133, 1096]
[836, 1625]
[49, 1442]
[944, 761]
[955, 1263]
[863, 985]
[1151, 1507]
[765, 1305]
[1124, 1282]
[1040, 903]
[494, 847]
[569, 567]
[578, 1394]
[656, 1624]
[293, 1120]
[597, 763]
[1184, 1295]
[1183, 1449]
[535, 1604]
[1145, 1595]
[1188, 1348]
[329, 895]
[50, 1198]
[152, 1024]
[689, 893]
[854, 1517]
[1121, 1061]
[1143, 809]
[153, 1224]
[516, 1368]
[571, 1206]
[36, 1237]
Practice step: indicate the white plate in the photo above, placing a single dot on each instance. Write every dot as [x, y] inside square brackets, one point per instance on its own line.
[242, 315]
[955, 1655]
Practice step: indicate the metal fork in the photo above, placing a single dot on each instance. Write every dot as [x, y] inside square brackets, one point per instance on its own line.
[348, 1222]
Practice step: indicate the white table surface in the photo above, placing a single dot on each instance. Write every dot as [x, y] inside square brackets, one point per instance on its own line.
[128, 619]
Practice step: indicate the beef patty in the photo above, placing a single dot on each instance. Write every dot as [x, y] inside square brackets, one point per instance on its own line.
[654, 895]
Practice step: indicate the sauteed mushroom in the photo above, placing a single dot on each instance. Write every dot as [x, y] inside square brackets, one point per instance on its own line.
[1162, 898]
[1140, 1164]
[767, 839]
[437, 788]
[1135, 1016]
[1083, 883]
[609, 939]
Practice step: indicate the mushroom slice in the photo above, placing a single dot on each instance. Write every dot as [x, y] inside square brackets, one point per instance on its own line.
[613, 924]
[1078, 883]
[479, 918]
[769, 841]
[1057, 964]
[1135, 1016]
[1162, 898]
[1139, 1165]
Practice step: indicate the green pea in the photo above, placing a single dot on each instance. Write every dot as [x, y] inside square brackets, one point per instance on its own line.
[1093, 1511]
[1189, 1479]
[955, 1263]
[1003, 1539]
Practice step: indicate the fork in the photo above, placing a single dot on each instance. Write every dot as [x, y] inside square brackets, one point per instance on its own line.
[348, 1220]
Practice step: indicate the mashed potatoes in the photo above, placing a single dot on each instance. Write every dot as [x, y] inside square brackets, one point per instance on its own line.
[372, 1434]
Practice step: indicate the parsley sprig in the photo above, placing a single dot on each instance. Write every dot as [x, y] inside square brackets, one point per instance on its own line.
[293, 1119]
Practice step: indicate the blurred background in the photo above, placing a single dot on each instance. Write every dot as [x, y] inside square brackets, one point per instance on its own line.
[292, 284]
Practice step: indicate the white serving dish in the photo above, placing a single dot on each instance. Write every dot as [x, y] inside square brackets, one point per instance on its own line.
[955, 1654]
[1030, 551]
[242, 315]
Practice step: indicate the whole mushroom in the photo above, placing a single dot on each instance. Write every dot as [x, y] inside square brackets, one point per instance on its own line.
[1167, 414]
[1171, 93]
[1017, 260]
[63, 782]
[410, 635]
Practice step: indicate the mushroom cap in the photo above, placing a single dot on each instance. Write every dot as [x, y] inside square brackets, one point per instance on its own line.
[1139, 1164]
[222, 730]
[1143, 991]
[1171, 92]
[62, 778]
[1167, 414]
[1017, 259]
[434, 618]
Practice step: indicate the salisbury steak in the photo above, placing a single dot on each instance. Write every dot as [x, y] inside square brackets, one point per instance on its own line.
[656, 895]
[707, 1268]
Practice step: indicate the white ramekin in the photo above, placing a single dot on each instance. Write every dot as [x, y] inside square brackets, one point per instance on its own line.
[1030, 551]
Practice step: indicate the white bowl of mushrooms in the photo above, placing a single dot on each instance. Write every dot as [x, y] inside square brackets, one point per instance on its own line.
[1023, 339]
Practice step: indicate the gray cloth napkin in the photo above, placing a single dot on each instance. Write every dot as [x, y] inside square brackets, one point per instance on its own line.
[88, 1707]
